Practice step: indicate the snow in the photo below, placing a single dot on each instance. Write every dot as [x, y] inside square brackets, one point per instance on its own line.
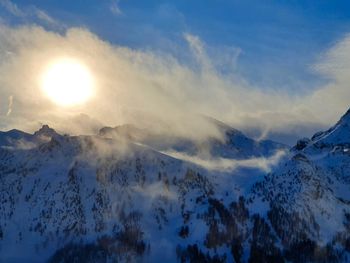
[77, 189]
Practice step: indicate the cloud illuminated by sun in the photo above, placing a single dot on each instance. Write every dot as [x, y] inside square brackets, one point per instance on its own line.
[67, 82]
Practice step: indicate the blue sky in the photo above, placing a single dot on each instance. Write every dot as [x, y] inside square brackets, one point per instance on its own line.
[251, 64]
[278, 41]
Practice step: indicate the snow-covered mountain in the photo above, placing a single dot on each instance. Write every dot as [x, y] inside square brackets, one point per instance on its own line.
[123, 196]
[233, 144]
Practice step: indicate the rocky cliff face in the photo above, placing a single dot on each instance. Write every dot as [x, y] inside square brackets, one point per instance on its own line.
[117, 197]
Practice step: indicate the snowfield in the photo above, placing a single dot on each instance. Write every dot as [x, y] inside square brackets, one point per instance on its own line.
[127, 195]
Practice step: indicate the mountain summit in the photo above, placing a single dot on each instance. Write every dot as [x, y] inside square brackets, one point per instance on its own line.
[45, 130]
[120, 197]
[337, 136]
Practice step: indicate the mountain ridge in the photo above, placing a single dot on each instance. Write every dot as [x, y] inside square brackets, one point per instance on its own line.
[107, 198]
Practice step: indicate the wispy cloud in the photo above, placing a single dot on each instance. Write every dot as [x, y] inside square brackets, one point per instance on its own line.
[20, 144]
[10, 106]
[229, 165]
[114, 8]
[12, 8]
[29, 12]
[197, 47]
[155, 90]
[43, 16]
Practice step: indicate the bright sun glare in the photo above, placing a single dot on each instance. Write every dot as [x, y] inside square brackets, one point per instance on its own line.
[67, 82]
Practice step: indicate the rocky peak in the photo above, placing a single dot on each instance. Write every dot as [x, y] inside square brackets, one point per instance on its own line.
[301, 144]
[345, 119]
[46, 131]
[338, 135]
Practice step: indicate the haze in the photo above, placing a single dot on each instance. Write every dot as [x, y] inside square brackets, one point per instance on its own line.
[159, 88]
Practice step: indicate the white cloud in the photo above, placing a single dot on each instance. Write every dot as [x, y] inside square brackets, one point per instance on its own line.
[157, 91]
[229, 165]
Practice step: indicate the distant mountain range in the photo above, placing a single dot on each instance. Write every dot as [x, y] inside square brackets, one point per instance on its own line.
[131, 195]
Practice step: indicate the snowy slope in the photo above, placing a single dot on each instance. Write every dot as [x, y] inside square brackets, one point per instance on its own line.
[309, 197]
[117, 197]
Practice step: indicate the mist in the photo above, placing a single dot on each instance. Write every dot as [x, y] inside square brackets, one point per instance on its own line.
[154, 90]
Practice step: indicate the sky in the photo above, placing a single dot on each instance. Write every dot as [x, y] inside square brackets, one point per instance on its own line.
[270, 68]
[271, 36]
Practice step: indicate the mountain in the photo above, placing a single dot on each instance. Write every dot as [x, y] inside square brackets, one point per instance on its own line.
[120, 196]
[232, 144]
[308, 197]
[19, 139]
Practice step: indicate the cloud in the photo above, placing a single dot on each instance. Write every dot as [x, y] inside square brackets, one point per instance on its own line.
[12, 8]
[197, 47]
[10, 106]
[43, 16]
[333, 97]
[20, 144]
[114, 8]
[230, 165]
[29, 12]
[156, 91]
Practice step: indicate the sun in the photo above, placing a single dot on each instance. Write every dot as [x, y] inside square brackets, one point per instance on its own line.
[67, 82]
